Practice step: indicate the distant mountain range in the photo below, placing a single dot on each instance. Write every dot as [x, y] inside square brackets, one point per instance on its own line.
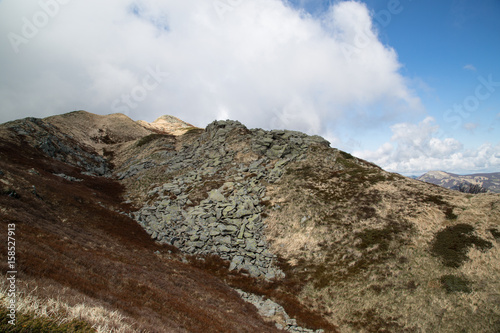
[489, 181]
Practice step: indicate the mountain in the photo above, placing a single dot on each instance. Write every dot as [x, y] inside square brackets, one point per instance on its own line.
[128, 226]
[488, 181]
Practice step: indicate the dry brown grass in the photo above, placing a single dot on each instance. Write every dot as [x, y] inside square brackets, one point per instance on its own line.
[65, 305]
[357, 242]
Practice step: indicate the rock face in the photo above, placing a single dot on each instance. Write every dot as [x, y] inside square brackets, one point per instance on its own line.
[213, 204]
[49, 139]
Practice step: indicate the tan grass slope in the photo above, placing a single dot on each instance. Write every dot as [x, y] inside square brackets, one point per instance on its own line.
[363, 250]
[380, 252]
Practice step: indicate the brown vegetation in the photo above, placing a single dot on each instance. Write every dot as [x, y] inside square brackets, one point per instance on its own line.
[69, 236]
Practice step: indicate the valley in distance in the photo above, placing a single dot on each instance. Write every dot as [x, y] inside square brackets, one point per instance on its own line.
[118, 225]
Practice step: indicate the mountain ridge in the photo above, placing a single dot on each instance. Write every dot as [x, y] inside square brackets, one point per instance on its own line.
[340, 243]
[489, 181]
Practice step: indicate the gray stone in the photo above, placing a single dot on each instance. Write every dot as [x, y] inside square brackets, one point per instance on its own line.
[268, 309]
[253, 271]
[242, 213]
[270, 275]
[228, 210]
[166, 218]
[204, 237]
[251, 245]
[255, 219]
[237, 261]
[228, 186]
[224, 240]
[242, 231]
[250, 255]
[255, 164]
[199, 244]
[227, 229]
[224, 248]
[215, 195]
[218, 213]
[215, 232]
[267, 253]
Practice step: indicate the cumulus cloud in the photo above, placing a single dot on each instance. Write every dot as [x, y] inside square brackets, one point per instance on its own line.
[471, 127]
[261, 62]
[470, 67]
[418, 148]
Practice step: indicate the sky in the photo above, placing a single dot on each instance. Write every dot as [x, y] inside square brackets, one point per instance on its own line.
[411, 85]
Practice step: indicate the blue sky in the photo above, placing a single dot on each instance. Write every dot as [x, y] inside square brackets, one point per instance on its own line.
[412, 85]
[443, 47]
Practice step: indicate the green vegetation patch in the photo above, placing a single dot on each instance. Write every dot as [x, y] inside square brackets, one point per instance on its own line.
[495, 233]
[452, 283]
[371, 321]
[448, 212]
[150, 138]
[193, 130]
[445, 207]
[387, 241]
[381, 237]
[452, 244]
[436, 199]
[27, 323]
[347, 156]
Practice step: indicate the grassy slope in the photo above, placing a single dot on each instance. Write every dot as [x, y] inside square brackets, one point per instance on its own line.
[371, 250]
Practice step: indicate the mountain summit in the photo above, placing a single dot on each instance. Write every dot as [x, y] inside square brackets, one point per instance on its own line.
[165, 227]
[167, 125]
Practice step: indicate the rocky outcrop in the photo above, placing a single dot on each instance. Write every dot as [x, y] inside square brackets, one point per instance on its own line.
[214, 205]
[58, 145]
[275, 312]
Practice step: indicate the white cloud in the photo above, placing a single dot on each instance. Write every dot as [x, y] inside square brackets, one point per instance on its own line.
[470, 67]
[261, 62]
[418, 148]
[471, 127]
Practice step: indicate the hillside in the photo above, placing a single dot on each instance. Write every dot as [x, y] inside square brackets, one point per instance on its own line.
[489, 181]
[167, 229]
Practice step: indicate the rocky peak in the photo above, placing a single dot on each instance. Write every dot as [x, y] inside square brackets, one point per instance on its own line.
[167, 124]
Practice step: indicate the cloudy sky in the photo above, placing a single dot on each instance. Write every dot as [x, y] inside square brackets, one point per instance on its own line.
[410, 85]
